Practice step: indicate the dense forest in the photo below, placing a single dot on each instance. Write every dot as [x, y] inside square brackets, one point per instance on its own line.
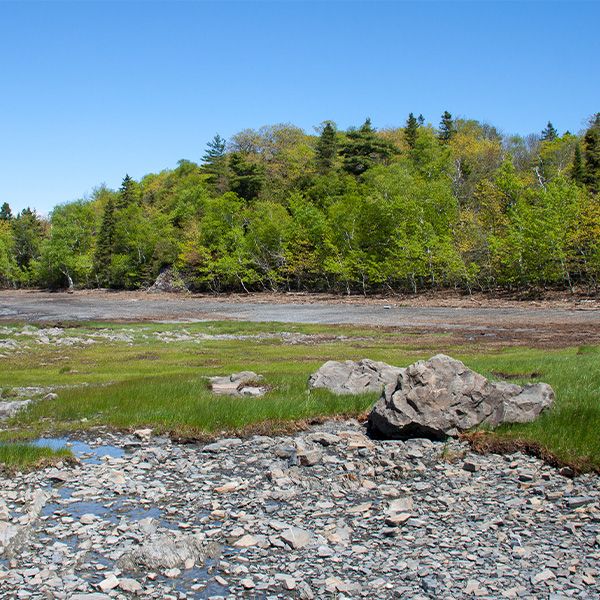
[420, 206]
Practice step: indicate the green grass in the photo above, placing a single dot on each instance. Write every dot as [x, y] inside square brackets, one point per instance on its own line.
[163, 385]
[20, 457]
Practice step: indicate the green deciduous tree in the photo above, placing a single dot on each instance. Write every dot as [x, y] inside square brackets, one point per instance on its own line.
[67, 254]
[28, 234]
[459, 206]
[8, 265]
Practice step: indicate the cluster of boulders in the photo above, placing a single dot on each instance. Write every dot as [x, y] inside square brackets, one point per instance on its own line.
[433, 398]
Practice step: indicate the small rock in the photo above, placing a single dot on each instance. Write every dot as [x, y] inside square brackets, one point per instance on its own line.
[296, 537]
[172, 573]
[579, 501]
[470, 466]
[143, 434]
[544, 575]
[130, 585]
[110, 583]
[567, 471]
[309, 458]
[398, 518]
[246, 541]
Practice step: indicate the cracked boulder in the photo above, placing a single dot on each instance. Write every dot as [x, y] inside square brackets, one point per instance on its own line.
[350, 377]
[441, 397]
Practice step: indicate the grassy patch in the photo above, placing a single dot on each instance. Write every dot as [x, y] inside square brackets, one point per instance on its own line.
[20, 457]
[149, 381]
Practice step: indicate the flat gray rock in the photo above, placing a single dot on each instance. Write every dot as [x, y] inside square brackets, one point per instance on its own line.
[168, 551]
[244, 383]
[10, 408]
[350, 377]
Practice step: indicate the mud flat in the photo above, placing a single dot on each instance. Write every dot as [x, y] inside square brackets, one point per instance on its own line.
[542, 323]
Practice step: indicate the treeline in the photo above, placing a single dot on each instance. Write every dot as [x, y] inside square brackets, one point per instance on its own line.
[355, 211]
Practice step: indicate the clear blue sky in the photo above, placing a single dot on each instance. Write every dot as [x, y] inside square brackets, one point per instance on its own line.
[91, 90]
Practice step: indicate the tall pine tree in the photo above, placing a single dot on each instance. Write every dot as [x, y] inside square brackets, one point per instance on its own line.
[549, 134]
[105, 244]
[326, 150]
[215, 150]
[447, 128]
[591, 140]
[363, 148]
[410, 131]
[577, 168]
[127, 193]
[5, 212]
[247, 178]
[215, 163]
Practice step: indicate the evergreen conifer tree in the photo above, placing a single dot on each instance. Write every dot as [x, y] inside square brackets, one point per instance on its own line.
[127, 193]
[577, 168]
[215, 150]
[105, 244]
[421, 120]
[215, 163]
[410, 131]
[247, 178]
[447, 128]
[592, 155]
[5, 212]
[363, 148]
[367, 126]
[326, 149]
[549, 133]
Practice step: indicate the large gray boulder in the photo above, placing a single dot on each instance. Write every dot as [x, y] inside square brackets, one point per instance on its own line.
[442, 397]
[168, 281]
[350, 377]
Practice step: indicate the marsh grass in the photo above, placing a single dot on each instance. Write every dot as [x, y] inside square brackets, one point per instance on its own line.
[163, 385]
[20, 457]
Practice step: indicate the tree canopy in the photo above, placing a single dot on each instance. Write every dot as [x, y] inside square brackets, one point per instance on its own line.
[406, 208]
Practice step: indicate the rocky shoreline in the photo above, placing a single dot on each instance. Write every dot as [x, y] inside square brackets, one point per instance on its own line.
[326, 513]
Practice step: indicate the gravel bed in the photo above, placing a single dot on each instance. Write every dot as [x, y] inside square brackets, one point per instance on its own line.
[325, 513]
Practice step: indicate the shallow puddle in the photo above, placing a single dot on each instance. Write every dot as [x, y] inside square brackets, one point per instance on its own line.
[84, 452]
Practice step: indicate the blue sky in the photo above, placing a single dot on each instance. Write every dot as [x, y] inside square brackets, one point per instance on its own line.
[92, 90]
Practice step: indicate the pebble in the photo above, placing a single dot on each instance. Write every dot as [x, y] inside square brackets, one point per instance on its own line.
[325, 512]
